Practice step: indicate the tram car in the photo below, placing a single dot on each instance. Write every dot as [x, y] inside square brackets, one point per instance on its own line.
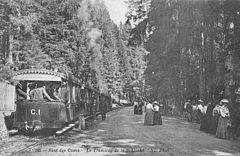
[53, 100]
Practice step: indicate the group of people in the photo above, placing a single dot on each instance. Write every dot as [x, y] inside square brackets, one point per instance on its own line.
[37, 91]
[214, 119]
[217, 120]
[153, 115]
[195, 112]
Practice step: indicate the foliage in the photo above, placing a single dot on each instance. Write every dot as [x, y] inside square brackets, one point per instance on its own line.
[193, 47]
[75, 36]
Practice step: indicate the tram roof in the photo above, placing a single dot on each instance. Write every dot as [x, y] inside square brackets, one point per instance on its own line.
[38, 75]
[42, 75]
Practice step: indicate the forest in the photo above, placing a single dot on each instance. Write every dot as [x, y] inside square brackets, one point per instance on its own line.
[193, 45]
[73, 36]
[167, 50]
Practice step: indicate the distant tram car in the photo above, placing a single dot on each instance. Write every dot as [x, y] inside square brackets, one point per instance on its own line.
[53, 100]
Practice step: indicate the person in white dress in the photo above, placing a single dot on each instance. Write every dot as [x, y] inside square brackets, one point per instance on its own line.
[149, 115]
[157, 114]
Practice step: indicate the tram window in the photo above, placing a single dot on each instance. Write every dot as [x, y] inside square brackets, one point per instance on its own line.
[77, 94]
[55, 90]
[98, 101]
[64, 92]
[87, 96]
[41, 91]
[73, 95]
[21, 91]
[82, 93]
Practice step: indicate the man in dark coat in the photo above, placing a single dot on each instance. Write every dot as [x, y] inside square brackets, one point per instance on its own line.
[103, 108]
[135, 105]
[140, 105]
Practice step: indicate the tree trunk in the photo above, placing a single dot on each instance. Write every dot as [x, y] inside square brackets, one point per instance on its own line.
[202, 75]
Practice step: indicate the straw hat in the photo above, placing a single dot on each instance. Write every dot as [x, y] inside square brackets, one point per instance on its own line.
[224, 101]
[155, 102]
[238, 91]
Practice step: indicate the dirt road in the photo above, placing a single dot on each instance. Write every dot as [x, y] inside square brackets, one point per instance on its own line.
[123, 133]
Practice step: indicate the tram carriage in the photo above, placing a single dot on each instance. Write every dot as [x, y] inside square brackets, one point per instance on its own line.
[33, 115]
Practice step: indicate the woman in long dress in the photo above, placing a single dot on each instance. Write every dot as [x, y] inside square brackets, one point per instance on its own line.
[210, 119]
[204, 121]
[223, 121]
[216, 114]
[149, 115]
[157, 115]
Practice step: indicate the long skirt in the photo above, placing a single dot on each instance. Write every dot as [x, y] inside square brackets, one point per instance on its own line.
[140, 109]
[204, 124]
[213, 124]
[157, 118]
[149, 115]
[222, 130]
[188, 115]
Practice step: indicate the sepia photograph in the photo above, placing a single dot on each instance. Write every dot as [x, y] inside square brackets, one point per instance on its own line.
[119, 77]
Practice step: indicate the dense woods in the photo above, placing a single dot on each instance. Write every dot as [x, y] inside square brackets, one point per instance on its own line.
[75, 36]
[193, 45]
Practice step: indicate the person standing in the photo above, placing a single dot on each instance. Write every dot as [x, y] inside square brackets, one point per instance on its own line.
[188, 110]
[103, 108]
[39, 93]
[204, 119]
[235, 114]
[199, 110]
[210, 119]
[224, 122]
[157, 114]
[216, 114]
[140, 105]
[135, 105]
[149, 115]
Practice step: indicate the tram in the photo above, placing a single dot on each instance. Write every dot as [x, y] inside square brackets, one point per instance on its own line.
[53, 111]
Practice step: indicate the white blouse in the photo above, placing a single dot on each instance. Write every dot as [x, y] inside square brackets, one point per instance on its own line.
[156, 108]
[200, 107]
[224, 111]
[149, 106]
[205, 109]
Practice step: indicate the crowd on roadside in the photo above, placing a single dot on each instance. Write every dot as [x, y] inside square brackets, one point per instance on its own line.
[217, 119]
[152, 112]
[221, 118]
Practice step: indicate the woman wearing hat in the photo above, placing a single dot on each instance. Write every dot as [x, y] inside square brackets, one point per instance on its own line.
[199, 111]
[224, 123]
[157, 120]
[215, 114]
[149, 115]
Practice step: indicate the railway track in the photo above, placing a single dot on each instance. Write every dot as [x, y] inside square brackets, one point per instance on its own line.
[49, 139]
[26, 148]
[44, 140]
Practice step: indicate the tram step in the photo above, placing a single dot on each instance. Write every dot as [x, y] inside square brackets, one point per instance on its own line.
[66, 128]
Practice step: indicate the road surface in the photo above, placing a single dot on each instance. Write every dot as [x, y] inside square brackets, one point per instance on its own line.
[123, 133]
